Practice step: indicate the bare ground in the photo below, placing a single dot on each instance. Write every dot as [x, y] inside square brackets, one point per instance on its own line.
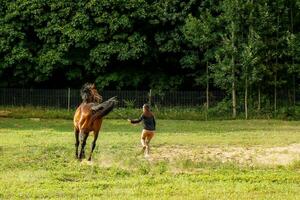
[4, 113]
[253, 156]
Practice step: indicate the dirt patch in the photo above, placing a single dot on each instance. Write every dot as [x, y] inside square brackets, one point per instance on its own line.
[283, 155]
[280, 155]
[4, 113]
[35, 119]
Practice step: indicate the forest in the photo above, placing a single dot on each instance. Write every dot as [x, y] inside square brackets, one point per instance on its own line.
[245, 48]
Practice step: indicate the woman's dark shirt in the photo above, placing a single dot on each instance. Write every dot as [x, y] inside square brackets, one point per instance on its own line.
[148, 122]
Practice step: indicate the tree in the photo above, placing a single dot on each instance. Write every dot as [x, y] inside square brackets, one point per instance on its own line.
[201, 35]
[227, 53]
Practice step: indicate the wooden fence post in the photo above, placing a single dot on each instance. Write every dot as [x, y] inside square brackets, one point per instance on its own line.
[69, 98]
[150, 97]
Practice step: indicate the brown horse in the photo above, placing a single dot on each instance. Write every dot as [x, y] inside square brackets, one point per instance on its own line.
[88, 117]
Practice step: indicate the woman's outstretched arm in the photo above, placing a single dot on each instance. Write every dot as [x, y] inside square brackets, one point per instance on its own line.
[135, 121]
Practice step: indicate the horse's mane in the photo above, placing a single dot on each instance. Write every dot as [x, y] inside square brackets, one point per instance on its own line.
[89, 94]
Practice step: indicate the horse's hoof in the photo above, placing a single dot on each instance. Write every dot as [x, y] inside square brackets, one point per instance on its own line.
[147, 156]
[85, 162]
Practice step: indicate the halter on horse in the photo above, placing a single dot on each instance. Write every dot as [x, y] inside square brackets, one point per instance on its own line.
[88, 117]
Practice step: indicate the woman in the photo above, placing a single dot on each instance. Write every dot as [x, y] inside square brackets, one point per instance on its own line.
[148, 127]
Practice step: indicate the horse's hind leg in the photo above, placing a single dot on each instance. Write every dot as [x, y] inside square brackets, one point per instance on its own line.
[76, 142]
[83, 137]
[93, 144]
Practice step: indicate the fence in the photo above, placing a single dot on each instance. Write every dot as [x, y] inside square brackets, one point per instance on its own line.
[70, 98]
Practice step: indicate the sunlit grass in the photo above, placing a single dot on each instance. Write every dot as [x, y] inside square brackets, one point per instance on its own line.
[37, 161]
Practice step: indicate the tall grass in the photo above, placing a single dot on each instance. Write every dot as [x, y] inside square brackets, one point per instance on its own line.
[176, 113]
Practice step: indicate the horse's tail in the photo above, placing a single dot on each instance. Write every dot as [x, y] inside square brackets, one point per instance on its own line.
[104, 108]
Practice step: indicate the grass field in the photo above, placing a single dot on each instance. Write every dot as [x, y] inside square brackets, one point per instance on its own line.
[255, 159]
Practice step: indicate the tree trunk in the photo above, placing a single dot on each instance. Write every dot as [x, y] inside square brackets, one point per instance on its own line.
[293, 60]
[207, 90]
[233, 74]
[246, 97]
[233, 91]
[276, 65]
[259, 101]
[294, 90]
[275, 93]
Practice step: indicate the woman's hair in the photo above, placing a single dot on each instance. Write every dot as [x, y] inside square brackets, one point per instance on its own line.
[147, 112]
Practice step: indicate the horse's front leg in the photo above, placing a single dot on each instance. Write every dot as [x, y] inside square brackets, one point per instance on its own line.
[83, 137]
[93, 144]
[76, 131]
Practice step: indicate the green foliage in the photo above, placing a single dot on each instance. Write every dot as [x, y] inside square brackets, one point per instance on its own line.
[223, 108]
[163, 45]
[129, 103]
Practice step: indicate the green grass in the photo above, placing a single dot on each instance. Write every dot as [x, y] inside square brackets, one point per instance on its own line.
[221, 112]
[37, 161]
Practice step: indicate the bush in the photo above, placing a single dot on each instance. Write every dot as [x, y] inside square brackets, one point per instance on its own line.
[222, 110]
[289, 113]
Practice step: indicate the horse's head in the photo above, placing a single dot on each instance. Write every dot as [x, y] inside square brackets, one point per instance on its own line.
[90, 94]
